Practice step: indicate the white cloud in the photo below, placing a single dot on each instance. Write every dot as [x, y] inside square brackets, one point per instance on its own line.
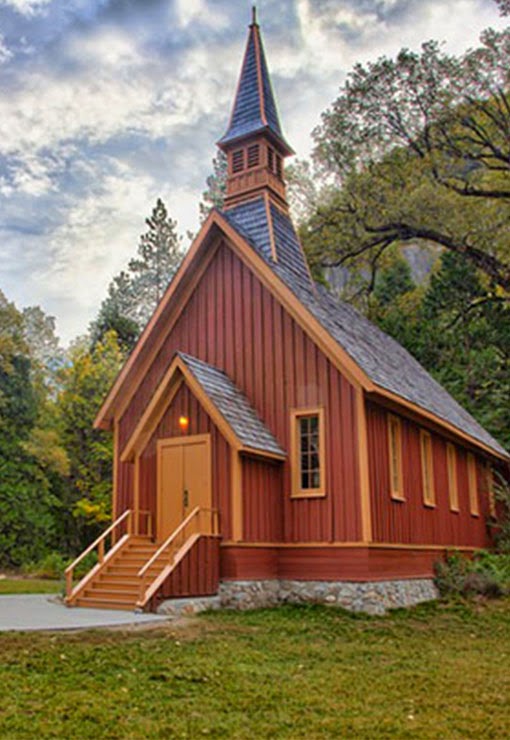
[107, 84]
[5, 53]
[26, 7]
[189, 11]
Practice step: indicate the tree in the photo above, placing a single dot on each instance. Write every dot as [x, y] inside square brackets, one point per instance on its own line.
[456, 329]
[84, 383]
[134, 294]
[214, 195]
[26, 501]
[419, 150]
[114, 314]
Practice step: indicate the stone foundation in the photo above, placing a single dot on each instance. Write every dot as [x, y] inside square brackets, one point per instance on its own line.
[373, 598]
[188, 606]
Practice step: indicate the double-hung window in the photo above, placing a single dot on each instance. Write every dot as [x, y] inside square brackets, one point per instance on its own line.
[308, 453]
[427, 469]
[395, 458]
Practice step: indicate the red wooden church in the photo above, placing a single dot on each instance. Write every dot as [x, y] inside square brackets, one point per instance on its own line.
[270, 442]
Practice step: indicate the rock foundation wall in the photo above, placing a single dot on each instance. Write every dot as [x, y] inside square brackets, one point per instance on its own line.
[372, 598]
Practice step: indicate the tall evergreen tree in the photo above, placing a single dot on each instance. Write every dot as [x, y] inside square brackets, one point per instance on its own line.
[134, 294]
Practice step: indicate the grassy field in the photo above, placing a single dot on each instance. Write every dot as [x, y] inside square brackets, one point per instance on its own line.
[434, 672]
[29, 586]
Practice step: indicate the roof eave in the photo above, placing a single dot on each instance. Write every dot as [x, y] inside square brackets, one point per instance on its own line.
[277, 139]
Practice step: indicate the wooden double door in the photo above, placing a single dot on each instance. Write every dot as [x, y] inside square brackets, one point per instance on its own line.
[184, 480]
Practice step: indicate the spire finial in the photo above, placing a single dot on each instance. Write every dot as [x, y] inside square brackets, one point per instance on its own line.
[254, 15]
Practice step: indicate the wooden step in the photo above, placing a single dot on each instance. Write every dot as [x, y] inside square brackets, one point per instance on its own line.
[128, 596]
[111, 584]
[100, 603]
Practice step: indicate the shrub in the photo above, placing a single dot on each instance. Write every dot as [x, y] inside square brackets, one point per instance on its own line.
[486, 574]
[50, 566]
[501, 527]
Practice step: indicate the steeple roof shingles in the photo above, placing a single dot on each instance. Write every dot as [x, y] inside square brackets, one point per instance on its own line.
[254, 106]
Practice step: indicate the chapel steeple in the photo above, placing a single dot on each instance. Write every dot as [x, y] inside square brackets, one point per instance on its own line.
[254, 142]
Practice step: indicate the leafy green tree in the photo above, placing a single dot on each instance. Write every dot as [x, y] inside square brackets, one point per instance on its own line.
[420, 152]
[84, 384]
[26, 501]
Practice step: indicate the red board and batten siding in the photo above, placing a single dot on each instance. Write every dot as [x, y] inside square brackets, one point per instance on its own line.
[410, 521]
[198, 572]
[233, 322]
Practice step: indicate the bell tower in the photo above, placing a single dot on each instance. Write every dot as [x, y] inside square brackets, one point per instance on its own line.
[254, 142]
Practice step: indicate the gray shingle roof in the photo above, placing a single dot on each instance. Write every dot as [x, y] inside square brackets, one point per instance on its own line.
[384, 360]
[254, 101]
[233, 405]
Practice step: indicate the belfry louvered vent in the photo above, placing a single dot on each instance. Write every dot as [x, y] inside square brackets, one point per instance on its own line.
[253, 155]
[238, 160]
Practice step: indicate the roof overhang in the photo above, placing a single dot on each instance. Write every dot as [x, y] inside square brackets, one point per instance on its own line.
[187, 276]
[177, 374]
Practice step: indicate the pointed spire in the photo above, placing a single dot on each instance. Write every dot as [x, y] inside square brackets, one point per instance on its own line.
[254, 108]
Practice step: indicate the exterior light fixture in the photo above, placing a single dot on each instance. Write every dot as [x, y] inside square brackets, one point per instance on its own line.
[183, 424]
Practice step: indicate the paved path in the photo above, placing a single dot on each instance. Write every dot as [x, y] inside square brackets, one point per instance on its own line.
[43, 612]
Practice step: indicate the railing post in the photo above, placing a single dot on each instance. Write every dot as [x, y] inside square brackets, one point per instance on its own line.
[100, 551]
[69, 582]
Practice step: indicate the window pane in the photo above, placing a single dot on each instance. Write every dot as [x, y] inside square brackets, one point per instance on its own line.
[309, 452]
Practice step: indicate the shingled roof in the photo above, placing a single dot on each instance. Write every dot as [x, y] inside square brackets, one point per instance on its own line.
[233, 405]
[384, 360]
[254, 106]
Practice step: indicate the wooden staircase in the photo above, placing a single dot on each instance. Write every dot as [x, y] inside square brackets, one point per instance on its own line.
[117, 585]
[131, 574]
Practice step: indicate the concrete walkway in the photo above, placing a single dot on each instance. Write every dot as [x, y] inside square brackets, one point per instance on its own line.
[44, 612]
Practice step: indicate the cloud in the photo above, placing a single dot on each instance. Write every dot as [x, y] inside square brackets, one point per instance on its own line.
[107, 104]
[26, 7]
[5, 52]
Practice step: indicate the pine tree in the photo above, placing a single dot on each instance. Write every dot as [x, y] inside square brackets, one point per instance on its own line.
[134, 294]
[214, 195]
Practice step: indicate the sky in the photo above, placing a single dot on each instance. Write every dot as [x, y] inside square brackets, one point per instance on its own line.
[106, 105]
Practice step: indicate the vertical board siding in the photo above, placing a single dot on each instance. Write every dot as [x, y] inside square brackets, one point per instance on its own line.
[198, 572]
[410, 521]
[262, 500]
[234, 323]
[186, 404]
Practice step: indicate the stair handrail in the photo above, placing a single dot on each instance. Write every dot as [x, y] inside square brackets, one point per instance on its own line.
[169, 542]
[99, 542]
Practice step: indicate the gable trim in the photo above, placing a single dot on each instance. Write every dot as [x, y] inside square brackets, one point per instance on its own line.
[109, 409]
[177, 374]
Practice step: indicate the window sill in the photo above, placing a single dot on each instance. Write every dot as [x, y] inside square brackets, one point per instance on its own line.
[308, 494]
[396, 497]
[476, 514]
[429, 505]
[454, 510]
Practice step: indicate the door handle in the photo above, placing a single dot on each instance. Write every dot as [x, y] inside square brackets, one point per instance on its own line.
[185, 498]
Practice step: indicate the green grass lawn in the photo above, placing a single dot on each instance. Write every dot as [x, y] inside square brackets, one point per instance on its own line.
[434, 672]
[29, 586]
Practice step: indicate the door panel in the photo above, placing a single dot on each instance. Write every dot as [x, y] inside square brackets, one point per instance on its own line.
[184, 472]
[196, 464]
[170, 490]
